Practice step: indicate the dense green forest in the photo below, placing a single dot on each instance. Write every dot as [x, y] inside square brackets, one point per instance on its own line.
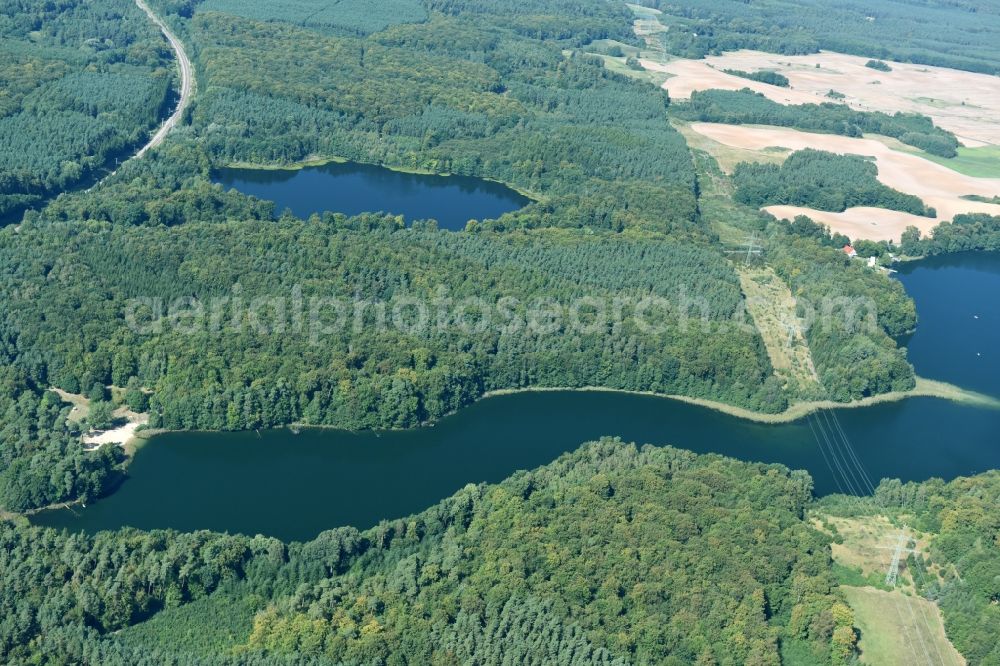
[745, 107]
[71, 285]
[964, 233]
[615, 165]
[961, 568]
[41, 459]
[482, 90]
[81, 82]
[601, 557]
[485, 97]
[60, 592]
[962, 35]
[346, 16]
[821, 180]
[489, 89]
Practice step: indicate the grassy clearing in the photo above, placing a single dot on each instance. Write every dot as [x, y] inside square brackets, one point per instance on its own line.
[604, 46]
[648, 28]
[863, 550]
[772, 306]
[647, 23]
[618, 66]
[897, 630]
[81, 406]
[861, 546]
[897, 627]
[644, 12]
[727, 157]
[976, 162]
[933, 102]
[732, 222]
[732, 234]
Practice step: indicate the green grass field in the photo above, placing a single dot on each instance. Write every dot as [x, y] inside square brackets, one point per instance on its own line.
[617, 64]
[644, 12]
[897, 630]
[602, 46]
[976, 162]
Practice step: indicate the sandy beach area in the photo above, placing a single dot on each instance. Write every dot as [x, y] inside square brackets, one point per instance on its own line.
[120, 435]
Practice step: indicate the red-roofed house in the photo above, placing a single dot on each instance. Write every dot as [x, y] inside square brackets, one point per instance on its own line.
[850, 251]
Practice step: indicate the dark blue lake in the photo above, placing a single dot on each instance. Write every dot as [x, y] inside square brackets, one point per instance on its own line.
[294, 486]
[352, 188]
[958, 305]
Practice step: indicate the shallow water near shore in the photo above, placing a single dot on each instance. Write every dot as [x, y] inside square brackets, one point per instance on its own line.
[293, 486]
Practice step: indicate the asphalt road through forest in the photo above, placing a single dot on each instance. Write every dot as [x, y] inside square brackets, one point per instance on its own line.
[187, 81]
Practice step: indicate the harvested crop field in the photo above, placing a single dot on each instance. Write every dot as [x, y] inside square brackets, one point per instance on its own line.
[877, 224]
[687, 76]
[937, 185]
[964, 103]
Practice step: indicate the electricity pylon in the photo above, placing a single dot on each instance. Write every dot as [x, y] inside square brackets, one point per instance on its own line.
[752, 249]
[892, 576]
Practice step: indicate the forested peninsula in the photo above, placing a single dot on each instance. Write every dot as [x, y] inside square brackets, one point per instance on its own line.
[595, 146]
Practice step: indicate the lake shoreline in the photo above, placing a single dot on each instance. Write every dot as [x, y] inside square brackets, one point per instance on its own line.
[925, 388]
[398, 472]
[137, 439]
[318, 161]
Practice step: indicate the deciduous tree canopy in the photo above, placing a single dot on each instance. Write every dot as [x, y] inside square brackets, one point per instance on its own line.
[610, 555]
[821, 180]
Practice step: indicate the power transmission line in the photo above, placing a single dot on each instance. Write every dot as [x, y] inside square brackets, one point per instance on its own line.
[833, 433]
[916, 573]
[852, 479]
[751, 247]
[897, 552]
